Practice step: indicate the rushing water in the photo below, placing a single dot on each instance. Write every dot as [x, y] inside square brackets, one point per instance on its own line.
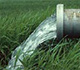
[45, 31]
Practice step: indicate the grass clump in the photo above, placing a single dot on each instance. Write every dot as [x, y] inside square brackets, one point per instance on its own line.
[64, 56]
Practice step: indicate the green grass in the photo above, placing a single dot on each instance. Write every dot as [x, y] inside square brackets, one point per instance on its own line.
[64, 56]
[14, 30]
[18, 19]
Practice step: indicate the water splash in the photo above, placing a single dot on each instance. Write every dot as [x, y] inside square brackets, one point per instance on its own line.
[45, 31]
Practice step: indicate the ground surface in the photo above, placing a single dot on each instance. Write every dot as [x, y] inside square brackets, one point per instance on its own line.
[18, 19]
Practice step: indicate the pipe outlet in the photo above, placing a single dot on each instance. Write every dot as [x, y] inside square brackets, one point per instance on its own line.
[68, 22]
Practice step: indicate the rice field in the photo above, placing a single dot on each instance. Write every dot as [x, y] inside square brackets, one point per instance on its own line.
[18, 19]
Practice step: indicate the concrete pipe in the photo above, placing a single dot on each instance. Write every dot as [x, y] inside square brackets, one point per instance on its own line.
[68, 22]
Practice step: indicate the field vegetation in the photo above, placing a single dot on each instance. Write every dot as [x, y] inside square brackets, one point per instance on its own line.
[18, 19]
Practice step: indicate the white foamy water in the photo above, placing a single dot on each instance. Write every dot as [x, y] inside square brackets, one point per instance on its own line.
[45, 31]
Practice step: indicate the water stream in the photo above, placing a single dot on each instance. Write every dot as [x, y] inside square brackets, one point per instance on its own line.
[45, 31]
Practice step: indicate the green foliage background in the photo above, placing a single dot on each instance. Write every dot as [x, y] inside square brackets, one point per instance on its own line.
[18, 19]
